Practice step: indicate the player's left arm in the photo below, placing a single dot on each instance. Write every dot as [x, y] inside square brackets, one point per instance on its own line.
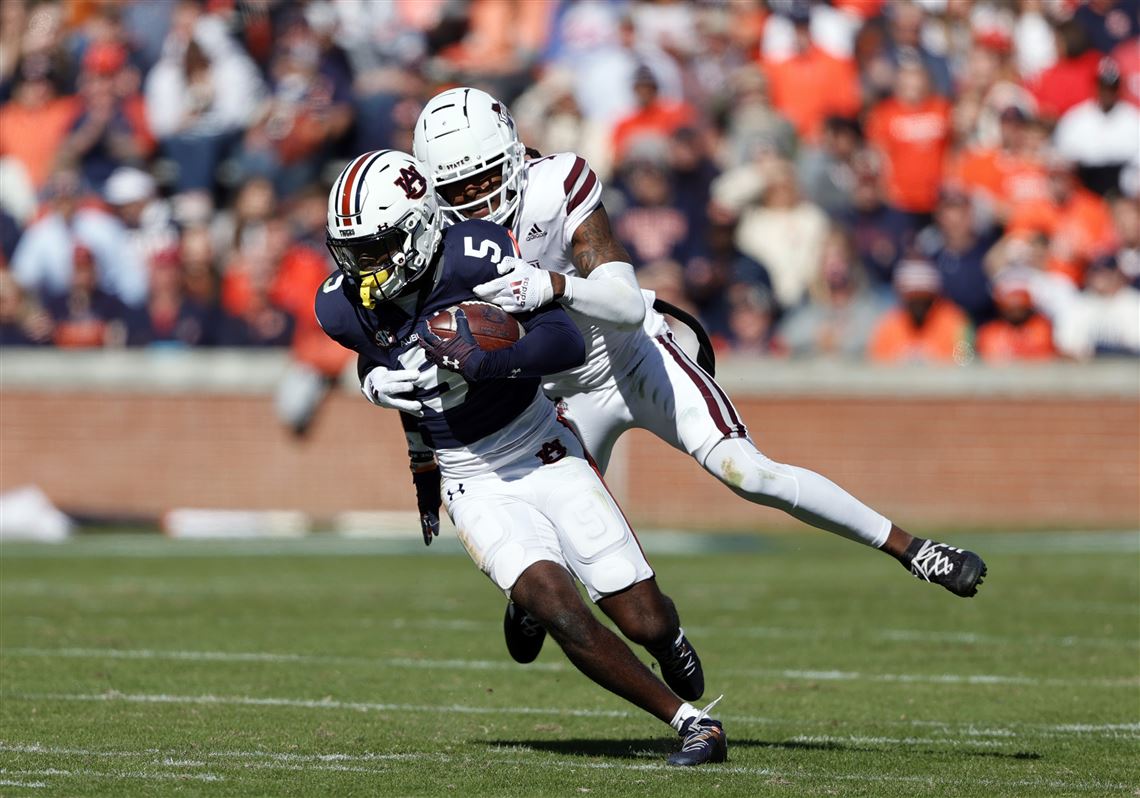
[607, 289]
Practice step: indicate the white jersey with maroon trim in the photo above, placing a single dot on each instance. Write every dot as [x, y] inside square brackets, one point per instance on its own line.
[561, 191]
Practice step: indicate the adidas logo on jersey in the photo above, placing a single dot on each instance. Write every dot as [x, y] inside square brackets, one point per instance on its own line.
[535, 232]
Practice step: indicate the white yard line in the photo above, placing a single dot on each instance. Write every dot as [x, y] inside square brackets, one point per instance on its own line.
[830, 675]
[515, 755]
[1126, 730]
[87, 773]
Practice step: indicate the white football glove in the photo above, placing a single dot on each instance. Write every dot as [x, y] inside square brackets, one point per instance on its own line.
[521, 288]
[382, 387]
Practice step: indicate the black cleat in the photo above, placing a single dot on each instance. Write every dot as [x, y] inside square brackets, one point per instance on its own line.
[524, 634]
[957, 570]
[681, 669]
[702, 741]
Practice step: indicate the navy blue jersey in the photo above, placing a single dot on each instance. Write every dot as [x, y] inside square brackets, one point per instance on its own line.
[456, 412]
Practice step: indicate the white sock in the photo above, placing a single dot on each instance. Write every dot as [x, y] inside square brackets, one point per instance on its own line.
[804, 494]
[683, 714]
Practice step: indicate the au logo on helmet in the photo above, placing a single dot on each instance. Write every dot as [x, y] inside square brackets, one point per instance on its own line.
[412, 182]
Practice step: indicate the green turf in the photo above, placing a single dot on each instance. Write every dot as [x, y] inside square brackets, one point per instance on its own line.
[335, 668]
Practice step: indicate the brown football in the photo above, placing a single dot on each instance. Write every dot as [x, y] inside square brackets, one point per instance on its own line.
[491, 326]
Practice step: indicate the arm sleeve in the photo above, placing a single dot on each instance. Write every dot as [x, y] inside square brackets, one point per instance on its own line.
[552, 343]
[420, 455]
[610, 293]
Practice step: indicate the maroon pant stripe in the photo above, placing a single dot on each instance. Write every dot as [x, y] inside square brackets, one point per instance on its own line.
[714, 397]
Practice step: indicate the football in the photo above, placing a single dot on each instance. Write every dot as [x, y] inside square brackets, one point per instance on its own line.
[491, 326]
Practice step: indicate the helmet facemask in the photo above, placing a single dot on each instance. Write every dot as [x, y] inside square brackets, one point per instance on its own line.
[500, 203]
[383, 264]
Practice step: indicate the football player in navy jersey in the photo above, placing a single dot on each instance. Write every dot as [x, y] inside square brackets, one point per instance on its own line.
[526, 502]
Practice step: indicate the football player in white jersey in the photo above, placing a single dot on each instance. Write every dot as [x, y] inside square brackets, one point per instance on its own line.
[635, 375]
[528, 505]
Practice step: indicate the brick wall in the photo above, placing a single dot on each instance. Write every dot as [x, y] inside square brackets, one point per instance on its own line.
[1065, 462]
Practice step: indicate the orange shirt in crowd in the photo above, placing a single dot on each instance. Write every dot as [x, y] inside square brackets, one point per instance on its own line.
[300, 275]
[662, 118]
[913, 140]
[897, 340]
[1001, 342]
[811, 86]
[33, 136]
[1078, 231]
[1005, 178]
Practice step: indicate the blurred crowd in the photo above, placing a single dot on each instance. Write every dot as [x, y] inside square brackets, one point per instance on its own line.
[938, 181]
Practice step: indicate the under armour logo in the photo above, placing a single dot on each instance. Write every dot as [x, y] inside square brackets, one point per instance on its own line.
[551, 452]
[450, 362]
[451, 494]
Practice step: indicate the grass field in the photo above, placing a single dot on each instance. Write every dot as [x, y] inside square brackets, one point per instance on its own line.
[326, 667]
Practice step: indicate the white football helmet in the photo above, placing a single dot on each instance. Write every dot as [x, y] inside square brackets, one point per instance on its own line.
[462, 132]
[383, 223]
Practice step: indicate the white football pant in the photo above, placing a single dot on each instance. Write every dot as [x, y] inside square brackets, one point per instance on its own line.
[668, 394]
[561, 511]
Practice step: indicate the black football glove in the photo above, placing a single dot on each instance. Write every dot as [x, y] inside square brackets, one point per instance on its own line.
[460, 354]
[428, 500]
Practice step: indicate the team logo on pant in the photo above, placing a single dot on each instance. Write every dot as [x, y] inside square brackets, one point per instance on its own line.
[551, 452]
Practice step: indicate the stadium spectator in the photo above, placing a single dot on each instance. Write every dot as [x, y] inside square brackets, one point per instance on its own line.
[1076, 221]
[35, 122]
[958, 250]
[795, 83]
[170, 317]
[708, 276]
[691, 173]
[654, 116]
[753, 123]
[842, 313]
[1102, 133]
[649, 222]
[882, 233]
[86, 316]
[44, 259]
[110, 128]
[1126, 220]
[132, 196]
[1127, 56]
[1099, 320]
[550, 121]
[1019, 332]
[23, 322]
[1109, 22]
[1071, 79]
[925, 327]
[825, 172]
[200, 96]
[1033, 44]
[751, 320]
[1006, 175]
[200, 268]
[912, 131]
[301, 121]
[905, 43]
[777, 227]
